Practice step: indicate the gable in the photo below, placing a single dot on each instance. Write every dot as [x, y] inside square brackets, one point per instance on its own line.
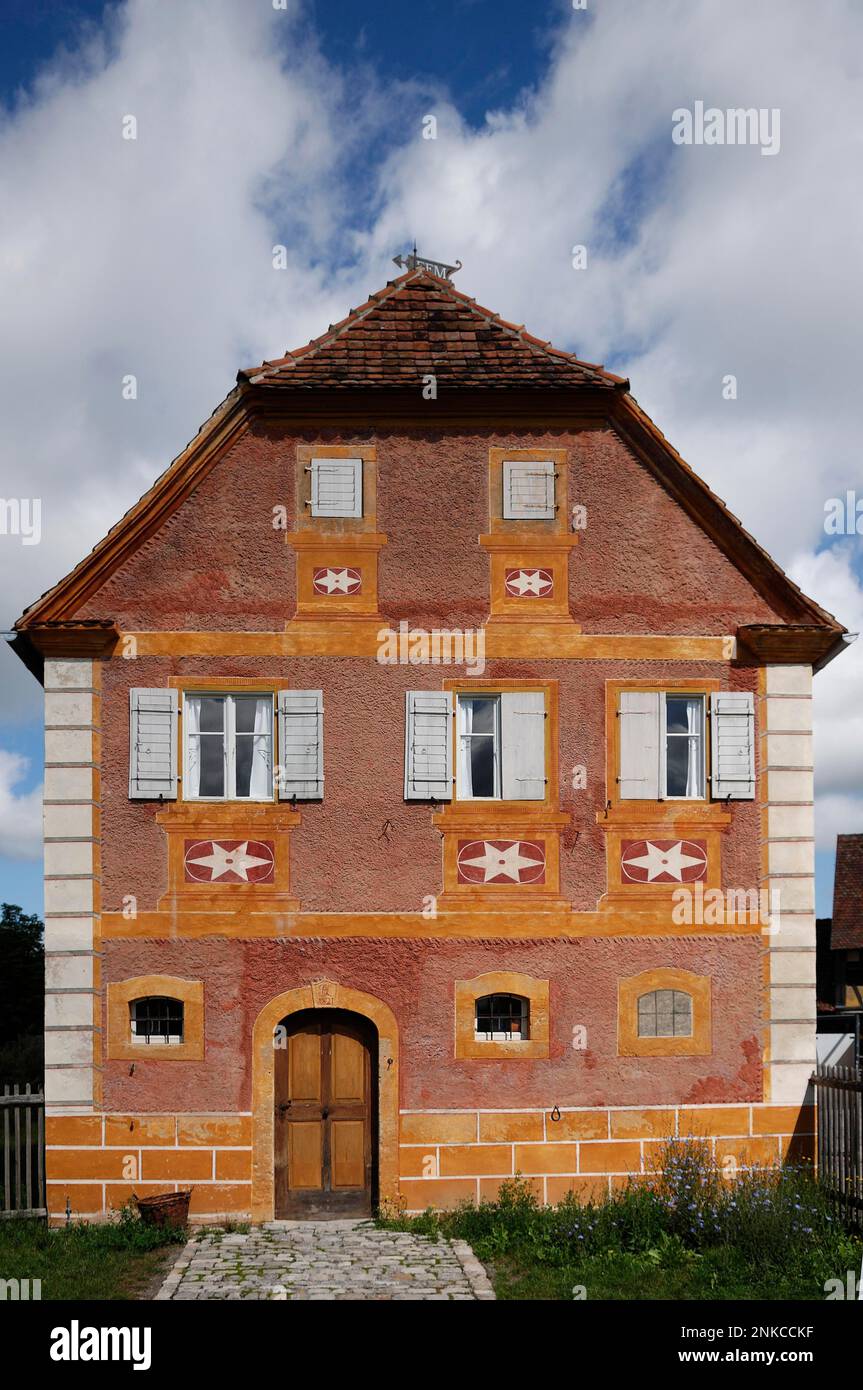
[182, 551]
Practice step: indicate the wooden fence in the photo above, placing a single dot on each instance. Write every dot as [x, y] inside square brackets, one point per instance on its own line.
[22, 1155]
[839, 1093]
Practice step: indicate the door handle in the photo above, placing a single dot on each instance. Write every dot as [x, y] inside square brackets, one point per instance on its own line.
[284, 1107]
[324, 1113]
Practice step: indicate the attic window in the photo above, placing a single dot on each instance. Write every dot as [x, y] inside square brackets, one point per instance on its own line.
[336, 487]
[528, 490]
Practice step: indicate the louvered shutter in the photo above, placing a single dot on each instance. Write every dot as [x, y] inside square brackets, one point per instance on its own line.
[639, 719]
[522, 737]
[732, 737]
[337, 487]
[301, 745]
[528, 490]
[153, 744]
[428, 745]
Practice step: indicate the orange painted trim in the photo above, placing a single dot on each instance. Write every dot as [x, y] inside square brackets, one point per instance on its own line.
[228, 820]
[335, 527]
[120, 995]
[501, 982]
[321, 994]
[548, 527]
[315, 552]
[348, 636]
[507, 920]
[629, 1044]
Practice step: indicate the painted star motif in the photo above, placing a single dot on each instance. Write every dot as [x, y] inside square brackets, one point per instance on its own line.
[664, 861]
[226, 861]
[501, 863]
[336, 581]
[528, 582]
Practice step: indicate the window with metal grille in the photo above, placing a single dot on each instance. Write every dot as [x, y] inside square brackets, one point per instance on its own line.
[156, 1020]
[502, 1018]
[665, 1013]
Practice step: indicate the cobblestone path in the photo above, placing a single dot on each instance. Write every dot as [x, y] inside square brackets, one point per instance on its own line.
[286, 1260]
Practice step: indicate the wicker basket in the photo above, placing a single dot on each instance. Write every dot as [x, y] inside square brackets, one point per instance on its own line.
[167, 1209]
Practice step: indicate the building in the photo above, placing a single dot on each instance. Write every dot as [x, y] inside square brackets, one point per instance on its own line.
[424, 754]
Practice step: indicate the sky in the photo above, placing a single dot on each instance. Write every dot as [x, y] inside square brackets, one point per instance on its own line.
[304, 124]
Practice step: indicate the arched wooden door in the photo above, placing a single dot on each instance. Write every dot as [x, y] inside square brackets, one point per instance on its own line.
[325, 1135]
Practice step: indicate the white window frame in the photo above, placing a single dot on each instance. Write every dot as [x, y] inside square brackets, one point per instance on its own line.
[463, 696]
[230, 743]
[666, 695]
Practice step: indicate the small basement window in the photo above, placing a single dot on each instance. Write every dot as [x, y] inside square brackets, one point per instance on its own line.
[156, 1021]
[502, 1018]
[665, 1013]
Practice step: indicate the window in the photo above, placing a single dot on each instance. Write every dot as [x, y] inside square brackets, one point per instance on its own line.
[683, 761]
[662, 739]
[665, 1013]
[161, 1012]
[336, 487]
[156, 1021]
[479, 747]
[502, 1018]
[500, 1015]
[228, 747]
[528, 490]
[501, 746]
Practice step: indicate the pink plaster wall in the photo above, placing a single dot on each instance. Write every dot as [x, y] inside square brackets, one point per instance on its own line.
[641, 566]
[340, 860]
[416, 979]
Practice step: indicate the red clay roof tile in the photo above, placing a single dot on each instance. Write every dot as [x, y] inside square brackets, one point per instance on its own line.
[847, 931]
[422, 325]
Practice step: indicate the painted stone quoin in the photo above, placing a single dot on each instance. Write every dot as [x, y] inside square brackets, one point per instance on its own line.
[325, 929]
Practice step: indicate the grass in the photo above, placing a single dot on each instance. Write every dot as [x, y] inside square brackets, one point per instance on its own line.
[684, 1233]
[121, 1259]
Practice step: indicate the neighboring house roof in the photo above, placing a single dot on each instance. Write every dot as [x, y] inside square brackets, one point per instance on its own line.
[375, 360]
[847, 933]
[421, 325]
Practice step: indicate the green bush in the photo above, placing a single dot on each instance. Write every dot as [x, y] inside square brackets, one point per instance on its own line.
[771, 1226]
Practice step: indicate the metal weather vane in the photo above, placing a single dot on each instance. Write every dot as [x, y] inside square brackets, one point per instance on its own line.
[413, 261]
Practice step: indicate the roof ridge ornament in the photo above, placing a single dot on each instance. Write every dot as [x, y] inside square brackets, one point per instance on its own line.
[413, 261]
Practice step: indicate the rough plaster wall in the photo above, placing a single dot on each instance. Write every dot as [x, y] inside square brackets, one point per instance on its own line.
[641, 565]
[416, 979]
[341, 862]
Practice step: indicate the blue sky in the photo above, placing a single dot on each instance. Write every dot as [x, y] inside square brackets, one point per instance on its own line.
[303, 128]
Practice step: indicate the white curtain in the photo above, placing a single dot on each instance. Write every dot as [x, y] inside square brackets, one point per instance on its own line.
[192, 722]
[693, 742]
[261, 784]
[465, 728]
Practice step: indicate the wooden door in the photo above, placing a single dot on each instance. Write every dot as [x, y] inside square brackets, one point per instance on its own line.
[325, 1117]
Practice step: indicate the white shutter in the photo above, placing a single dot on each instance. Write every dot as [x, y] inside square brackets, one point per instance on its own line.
[337, 487]
[528, 490]
[428, 745]
[640, 733]
[301, 745]
[153, 744]
[732, 736]
[522, 736]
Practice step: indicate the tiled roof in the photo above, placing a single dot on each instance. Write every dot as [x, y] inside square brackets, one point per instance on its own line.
[421, 325]
[847, 934]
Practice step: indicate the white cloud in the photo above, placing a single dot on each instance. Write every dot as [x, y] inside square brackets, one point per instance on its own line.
[838, 689]
[20, 815]
[153, 256]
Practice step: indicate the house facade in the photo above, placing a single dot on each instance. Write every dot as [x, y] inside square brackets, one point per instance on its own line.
[428, 794]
